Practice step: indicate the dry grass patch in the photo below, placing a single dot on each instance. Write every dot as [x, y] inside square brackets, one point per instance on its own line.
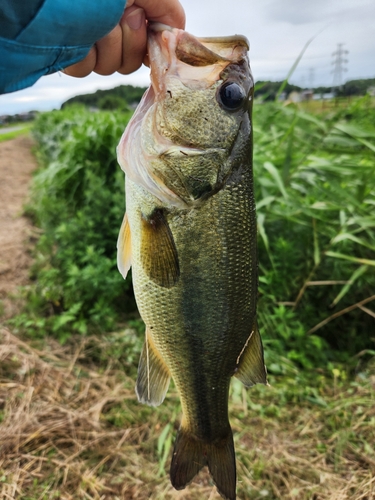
[72, 429]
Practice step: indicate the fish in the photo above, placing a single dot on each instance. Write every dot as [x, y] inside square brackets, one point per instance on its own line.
[189, 233]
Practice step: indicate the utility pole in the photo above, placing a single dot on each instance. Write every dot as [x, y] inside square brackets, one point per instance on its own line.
[339, 68]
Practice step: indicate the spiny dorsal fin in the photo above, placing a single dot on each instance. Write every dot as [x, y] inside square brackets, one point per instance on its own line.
[251, 369]
[158, 250]
[153, 375]
[124, 253]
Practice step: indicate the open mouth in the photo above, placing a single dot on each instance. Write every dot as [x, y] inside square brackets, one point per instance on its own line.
[197, 62]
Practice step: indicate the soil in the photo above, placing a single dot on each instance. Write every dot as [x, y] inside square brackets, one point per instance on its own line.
[16, 166]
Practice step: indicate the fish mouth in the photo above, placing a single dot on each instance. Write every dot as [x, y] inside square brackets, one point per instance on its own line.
[196, 62]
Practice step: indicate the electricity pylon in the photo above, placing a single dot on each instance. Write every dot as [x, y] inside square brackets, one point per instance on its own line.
[339, 65]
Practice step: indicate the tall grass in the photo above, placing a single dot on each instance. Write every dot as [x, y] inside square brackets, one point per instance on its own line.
[315, 193]
[70, 424]
[77, 200]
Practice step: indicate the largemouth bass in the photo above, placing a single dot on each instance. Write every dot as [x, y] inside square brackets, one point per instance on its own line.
[189, 233]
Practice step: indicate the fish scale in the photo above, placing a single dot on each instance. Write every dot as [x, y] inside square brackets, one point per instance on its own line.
[192, 245]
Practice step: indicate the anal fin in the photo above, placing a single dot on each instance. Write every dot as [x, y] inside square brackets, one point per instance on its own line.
[153, 375]
[158, 250]
[251, 369]
[124, 248]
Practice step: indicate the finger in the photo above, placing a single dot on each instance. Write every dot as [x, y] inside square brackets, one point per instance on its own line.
[168, 12]
[109, 52]
[134, 39]
[146, 60]
[84, 67]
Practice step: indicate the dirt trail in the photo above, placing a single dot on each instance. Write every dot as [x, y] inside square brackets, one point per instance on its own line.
[16, 165]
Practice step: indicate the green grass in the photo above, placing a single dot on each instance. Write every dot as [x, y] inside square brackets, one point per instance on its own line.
[314, 191]
[313, 178]
[71, 426]
[16, 133]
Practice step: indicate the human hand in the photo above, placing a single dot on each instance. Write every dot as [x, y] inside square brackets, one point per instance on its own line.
[124, 48]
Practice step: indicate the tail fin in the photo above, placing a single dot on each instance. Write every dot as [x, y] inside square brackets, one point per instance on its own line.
[191, 454]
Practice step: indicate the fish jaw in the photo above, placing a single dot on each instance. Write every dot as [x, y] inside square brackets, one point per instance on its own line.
[179, 61]
[196, 62]
[162, 45]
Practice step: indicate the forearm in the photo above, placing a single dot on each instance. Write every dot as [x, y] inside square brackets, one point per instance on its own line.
[38, 38]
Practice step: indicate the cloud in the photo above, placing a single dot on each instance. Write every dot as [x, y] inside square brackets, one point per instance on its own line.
[297, 12]
[51, 91]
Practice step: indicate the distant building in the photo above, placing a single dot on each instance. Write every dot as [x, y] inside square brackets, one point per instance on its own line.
[307, 95]
[326, 96]
[21, 117]
[294, 96]
[371, 91]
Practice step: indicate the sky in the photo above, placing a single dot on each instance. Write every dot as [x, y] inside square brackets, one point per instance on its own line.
[277, 30]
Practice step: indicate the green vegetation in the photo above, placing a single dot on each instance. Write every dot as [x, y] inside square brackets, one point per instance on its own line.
[356, 87]
[269, 90]
[78, 201]
[315, 195]
[70, 423]
[6, 136]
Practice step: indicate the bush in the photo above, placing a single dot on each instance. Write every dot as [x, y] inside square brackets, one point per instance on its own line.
[78, 202]
[315, 191]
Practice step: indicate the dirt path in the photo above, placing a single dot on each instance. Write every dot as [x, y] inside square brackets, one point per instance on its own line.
[16, 166]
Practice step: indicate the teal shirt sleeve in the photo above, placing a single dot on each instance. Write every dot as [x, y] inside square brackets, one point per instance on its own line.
[49, 36]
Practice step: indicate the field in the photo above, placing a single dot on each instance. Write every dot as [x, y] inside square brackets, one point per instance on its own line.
[71, 427]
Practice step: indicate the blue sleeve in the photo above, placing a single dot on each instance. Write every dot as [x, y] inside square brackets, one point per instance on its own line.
[47, 36]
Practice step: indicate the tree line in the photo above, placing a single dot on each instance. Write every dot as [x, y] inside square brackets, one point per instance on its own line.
[126, 97]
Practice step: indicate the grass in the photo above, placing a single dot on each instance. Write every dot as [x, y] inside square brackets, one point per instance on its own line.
[321, 107]
[71, 428]
[15, 133]
[70, 425]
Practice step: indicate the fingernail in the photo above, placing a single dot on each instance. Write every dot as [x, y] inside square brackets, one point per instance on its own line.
[135, 19]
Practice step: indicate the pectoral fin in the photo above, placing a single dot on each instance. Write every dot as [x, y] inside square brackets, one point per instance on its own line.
[158, 250]
[124, 248]
[153, 375]
[251, 369]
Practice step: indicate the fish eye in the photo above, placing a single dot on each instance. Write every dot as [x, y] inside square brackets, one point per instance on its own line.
[231, 95]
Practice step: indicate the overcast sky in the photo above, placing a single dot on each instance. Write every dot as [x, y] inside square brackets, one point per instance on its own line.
[277, 30]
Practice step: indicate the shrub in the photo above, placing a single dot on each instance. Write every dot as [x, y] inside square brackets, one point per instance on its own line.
[315, 192]
[78, 202]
